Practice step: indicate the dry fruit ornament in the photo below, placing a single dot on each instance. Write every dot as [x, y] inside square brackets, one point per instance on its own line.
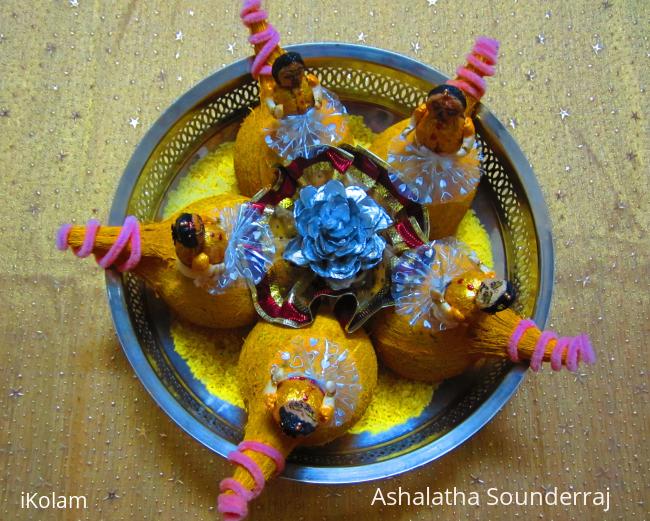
[433, 155]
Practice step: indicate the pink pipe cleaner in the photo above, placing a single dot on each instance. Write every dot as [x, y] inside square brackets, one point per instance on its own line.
[234, 507]
[89, 239]
[252, 467]
[513, 343]
[62, 237]
[574, 349]
[558, 351]
[269, 37]
[482, 59]
[540, 349]
[267, 450]
[129, 234]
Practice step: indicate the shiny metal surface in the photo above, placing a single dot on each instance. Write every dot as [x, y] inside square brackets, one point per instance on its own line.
[383, 87]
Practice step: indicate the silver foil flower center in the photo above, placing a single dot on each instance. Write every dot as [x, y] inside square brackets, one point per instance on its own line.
[338, 232]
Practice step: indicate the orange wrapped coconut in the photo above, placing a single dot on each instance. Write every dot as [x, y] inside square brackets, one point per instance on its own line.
[191, 260]
[296, 116]
[433, 154]
[300, 387]
[451, 310]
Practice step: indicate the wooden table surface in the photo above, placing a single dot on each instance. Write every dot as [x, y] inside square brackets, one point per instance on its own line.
[75, 419]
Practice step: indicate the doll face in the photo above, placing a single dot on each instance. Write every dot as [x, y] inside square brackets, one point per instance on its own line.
[200, 229]
[494, 295]
[291, 75]
[192, 235]
[189, 237]
[297, 419]
[296, 407]
[445, 107]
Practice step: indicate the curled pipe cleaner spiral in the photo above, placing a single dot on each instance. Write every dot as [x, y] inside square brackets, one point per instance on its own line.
[574, 349]
[480, 63]
[129, 235]
[234, 507]
[269, 38]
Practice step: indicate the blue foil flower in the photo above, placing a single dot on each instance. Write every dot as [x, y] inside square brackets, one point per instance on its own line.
[337, 232]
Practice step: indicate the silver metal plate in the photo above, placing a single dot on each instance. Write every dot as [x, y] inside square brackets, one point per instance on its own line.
[383, 87]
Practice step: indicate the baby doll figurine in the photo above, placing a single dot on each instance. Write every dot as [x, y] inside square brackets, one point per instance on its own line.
[195, 247]
[432, 155]
[440, 123]
[296, 115]
[443, 284]
[306, 116]
[434, 158]
[461, 299]
[295, 91]
[222, 247]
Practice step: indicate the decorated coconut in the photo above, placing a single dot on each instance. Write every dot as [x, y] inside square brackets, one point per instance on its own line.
[433, 155]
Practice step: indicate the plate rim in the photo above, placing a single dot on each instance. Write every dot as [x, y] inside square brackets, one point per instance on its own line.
[313, 474]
